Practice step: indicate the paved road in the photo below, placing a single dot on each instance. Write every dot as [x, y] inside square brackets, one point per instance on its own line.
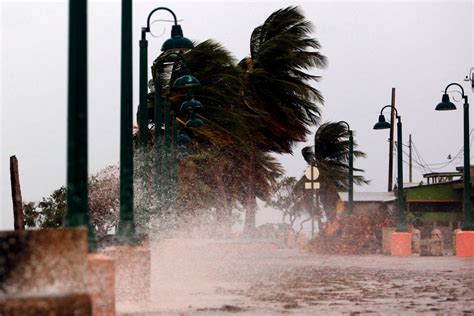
[198, 277]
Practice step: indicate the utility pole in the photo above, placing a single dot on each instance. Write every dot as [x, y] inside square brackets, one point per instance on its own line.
[390, 148]
[410, 170]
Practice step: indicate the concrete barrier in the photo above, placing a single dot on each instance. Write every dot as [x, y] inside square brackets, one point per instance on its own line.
[43, 262]
[101, 284]
[465, 244]
[76, 304]
[401, 244]
[132, 272]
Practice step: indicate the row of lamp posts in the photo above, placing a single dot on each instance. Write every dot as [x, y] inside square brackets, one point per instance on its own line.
[77, 164]
[445, 105]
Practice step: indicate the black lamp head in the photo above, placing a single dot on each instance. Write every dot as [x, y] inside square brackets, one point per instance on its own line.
[177, 42]
[446, 104]
[382, 124]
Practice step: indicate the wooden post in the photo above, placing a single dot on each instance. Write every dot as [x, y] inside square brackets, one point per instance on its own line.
[390, 148]
[410, 171]
[18, 221]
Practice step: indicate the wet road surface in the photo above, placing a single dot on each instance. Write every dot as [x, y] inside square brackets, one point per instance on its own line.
[199, 277]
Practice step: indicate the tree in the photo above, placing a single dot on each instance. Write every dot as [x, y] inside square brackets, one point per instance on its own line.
[103, 204]
[30, 214]
[287, 200]
[48, 213]
[277, 89]
[330, 153]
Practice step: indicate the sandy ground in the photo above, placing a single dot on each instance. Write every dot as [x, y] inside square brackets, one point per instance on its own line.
[198, 277]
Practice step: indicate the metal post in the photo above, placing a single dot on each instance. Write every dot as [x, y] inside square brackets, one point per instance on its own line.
[143, 107]
[126, 227]
[167, 150]
[351, 172]
[410, 170]
[401, 223]
[157, 138]
[314, 200]
[77, 195]
[467, 223]
[390, 147]
[174, 171]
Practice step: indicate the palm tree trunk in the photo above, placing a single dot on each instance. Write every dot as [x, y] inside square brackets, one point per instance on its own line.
[224, 211]
[251, 199]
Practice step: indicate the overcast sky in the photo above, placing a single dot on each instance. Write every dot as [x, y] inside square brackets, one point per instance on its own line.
[417, 47]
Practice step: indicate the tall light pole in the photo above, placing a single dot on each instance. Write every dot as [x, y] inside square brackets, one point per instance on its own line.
[176, 43]
[77, 187]
[447, 105]
[350, 183]
[126, 228]
[382, 124]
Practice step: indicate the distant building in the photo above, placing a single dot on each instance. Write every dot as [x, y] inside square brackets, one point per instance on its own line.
[366, 201]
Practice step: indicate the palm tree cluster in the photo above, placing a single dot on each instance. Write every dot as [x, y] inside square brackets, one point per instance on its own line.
[254, 108]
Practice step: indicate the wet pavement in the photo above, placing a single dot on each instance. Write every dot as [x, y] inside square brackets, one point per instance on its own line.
[199, 277]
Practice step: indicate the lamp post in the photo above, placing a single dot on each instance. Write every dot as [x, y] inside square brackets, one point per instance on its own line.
[77, 187]
[351, 168]
[447, 105]
[126, 228]
[382, 124]
[176, 43]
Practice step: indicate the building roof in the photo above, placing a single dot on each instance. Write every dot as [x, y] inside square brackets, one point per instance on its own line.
[443, 174]
[368, 196]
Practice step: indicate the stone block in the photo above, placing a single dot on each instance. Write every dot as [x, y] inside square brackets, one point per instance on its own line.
[454, 240]
[416, 241]
[387, 239]
[302, 242]
[465, 244]
[76, 304]
[101, 283]
[43, 262]
[401, 244]
[132, 272]
[291, 239]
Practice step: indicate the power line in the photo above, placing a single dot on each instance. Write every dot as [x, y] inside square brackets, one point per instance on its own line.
[430, 167]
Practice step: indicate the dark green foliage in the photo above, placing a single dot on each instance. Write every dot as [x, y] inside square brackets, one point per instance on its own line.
[48, 213]
[30, 214]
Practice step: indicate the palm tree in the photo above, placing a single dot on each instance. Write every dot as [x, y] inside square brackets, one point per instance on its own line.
[330, 153]
[277, 89]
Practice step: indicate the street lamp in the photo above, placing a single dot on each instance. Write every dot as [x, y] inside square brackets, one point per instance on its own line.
[126, 233]
[382, 124]
[177, 42]
[447, 105]
[77, 187]
[351, 168]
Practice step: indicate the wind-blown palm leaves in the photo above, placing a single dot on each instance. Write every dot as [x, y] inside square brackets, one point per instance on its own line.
[276, 86]
[330, 153]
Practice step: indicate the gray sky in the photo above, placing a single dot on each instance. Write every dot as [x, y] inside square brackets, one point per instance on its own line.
[417, 47]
